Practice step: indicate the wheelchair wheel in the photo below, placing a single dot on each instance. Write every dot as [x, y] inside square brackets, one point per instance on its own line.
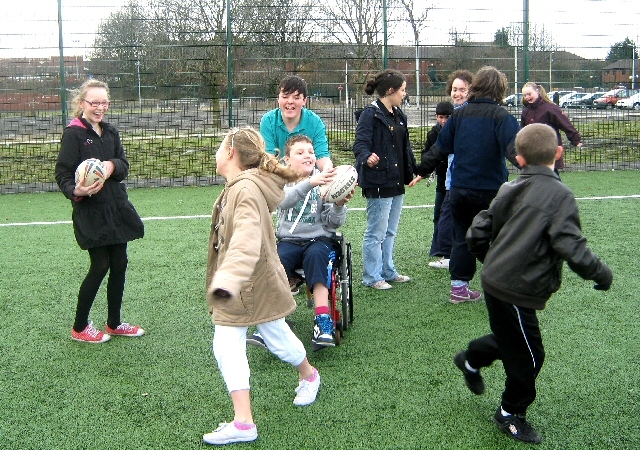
[346, 292]
[338, 334]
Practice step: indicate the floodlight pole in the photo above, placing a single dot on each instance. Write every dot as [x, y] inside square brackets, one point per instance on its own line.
[550, 63]
[525, 40]
[139, 91]
[63, 78]
[417, 71]
[346, 81]
[385, 49]
[229, 65]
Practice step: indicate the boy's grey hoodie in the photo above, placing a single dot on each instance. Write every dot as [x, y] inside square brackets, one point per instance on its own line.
[318, 219]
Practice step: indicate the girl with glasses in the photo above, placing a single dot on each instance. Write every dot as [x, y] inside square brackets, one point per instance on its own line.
[104, 220]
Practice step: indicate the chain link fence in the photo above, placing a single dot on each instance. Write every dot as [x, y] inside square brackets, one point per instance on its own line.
[179, 80]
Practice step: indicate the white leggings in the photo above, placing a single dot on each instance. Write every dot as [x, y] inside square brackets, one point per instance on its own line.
[230, 350]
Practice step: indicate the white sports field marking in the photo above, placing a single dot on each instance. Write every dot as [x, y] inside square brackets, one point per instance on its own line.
[208, 216]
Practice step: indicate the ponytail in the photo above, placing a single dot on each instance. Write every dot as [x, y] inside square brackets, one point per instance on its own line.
[251, 150]
[270, 163]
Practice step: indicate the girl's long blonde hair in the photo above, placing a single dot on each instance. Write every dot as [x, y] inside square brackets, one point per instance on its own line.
[251, 150]
[539, 89]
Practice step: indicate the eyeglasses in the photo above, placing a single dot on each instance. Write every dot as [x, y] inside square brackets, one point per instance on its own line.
[96, 104]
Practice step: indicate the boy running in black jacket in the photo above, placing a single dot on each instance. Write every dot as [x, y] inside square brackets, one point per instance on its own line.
[530, 228]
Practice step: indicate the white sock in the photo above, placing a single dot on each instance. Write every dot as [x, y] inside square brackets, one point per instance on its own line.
[504, 413]
[469, 368]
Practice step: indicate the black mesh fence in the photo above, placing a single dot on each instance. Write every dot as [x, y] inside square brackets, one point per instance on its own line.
[178, 80]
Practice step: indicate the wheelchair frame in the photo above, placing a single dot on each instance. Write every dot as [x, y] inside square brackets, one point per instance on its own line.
[341, 290]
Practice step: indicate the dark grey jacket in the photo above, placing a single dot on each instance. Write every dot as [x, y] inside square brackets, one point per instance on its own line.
[530, 228]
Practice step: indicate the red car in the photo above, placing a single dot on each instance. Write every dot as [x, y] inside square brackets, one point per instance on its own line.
[610, 99]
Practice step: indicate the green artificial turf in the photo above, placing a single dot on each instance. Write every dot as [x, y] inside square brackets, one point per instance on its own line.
[391, 384]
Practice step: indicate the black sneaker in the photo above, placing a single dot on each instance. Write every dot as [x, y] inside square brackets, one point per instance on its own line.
[516, 427]
[323, 332]
[256, 340]
[474, 381]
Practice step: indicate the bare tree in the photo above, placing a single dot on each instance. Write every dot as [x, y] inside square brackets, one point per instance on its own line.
[539, 38]
[173, 47]
[190, 41]
[118, 45]
[357, 26]
[276, 36]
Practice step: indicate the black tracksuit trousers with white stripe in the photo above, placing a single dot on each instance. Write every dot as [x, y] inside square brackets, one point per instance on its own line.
[516, 340]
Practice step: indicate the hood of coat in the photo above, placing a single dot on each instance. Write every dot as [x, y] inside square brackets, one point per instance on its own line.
[270, 184]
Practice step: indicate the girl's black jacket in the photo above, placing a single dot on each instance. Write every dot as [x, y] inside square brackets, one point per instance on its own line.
[107, 217]
[374, 135]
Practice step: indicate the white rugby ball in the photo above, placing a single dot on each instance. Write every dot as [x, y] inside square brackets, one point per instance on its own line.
[89, 171]
[345, 180]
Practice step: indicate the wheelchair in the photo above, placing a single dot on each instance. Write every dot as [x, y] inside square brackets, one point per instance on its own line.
[340, 291]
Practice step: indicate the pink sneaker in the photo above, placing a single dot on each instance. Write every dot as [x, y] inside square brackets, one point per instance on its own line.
[464, 294]
[124, 329]
[90, 335]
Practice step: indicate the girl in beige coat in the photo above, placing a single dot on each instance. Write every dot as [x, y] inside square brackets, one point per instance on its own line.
[246, 283]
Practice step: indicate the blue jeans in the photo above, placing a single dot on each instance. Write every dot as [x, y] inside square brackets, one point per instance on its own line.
[383, 218]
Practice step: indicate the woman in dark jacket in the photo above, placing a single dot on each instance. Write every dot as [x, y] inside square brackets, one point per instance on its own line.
[103, 218]
[385, 164]
[539, 109]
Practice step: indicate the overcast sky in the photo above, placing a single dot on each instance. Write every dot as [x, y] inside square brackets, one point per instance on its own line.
[585, 27]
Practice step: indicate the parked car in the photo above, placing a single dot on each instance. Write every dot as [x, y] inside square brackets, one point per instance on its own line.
[513, 100]
[566, 101]
[632, 102]
[560, 94]
[609, 99]
[587, 100]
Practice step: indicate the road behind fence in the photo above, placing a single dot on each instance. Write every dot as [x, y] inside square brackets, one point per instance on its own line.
[173, 143]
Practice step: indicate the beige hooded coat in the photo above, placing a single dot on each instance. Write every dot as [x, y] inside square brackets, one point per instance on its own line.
[243, 259]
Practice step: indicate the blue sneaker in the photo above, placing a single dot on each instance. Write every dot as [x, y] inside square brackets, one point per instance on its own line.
[256, 340]
[323, 332]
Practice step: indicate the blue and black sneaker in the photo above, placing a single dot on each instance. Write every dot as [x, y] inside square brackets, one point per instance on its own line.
[323, 332]
[256, 340]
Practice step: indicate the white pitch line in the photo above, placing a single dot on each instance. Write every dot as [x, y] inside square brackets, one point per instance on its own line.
[208, 216]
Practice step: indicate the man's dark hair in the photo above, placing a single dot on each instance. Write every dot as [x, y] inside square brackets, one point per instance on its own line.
[291, 84]
[444, 109]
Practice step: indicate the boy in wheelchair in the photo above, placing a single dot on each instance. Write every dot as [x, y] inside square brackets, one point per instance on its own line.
[306, 228]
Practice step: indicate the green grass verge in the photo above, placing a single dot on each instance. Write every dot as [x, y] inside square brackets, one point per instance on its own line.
[391, 384]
